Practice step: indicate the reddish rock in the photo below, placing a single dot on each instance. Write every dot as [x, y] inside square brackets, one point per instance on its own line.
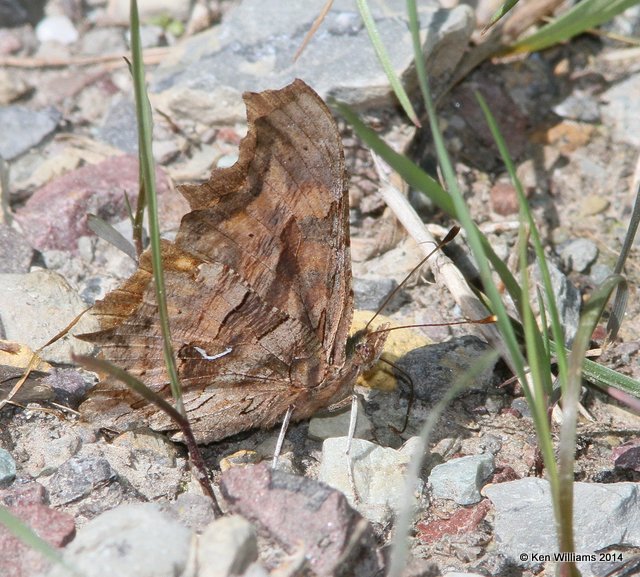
[627, 455]
[56, 215]
[504, 200]
[298, 511]
[18, 559]
[462, 521]
[504, 474]
[20, 495]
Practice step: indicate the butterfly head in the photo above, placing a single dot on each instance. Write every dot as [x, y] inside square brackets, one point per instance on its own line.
[365, 346]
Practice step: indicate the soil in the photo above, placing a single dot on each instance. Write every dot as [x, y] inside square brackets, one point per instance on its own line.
[551, 153]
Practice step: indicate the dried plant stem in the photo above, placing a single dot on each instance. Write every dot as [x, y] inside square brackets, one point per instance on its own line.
[443, 269]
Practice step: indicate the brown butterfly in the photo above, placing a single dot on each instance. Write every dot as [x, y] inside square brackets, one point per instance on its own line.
[258, 287]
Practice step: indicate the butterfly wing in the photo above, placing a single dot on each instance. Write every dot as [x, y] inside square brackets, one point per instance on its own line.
[279, 216]
[258, 284]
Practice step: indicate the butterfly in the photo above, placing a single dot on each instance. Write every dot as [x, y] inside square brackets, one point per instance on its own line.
[258, 287]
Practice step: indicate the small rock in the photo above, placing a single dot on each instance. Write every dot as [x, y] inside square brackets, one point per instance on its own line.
[370, 293]
[77, 477]
[227, 547]
[604, 515]
[567, 298]
[7, 468]
[56, 29]
[435, 368]
[461, 479]
[194, 510]
[593, 204]
[521, 406]
[103, 40]
[158, 471]
[118, 10]
[55, 216]
[461, 522]
[504, 200]
[627, 455]
[315, 516]
[151, 36]
[69, 385]
[579, 105]
[131, 541]
[12, 87]
[240, 458]
[599, 272]
[27, 128]
[15, 252]
[578, 255]
[18, 559]
[378, 473]
[120, 127]
[620, 110]
[30, 493]
[36, 306]
[337, 425]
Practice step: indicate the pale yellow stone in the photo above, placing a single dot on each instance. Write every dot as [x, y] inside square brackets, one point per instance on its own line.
[398, 344]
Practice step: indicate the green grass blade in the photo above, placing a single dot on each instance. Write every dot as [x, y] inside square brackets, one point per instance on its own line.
[102, 366]
[147, 169]
[570, 399]
[415, 177]
[583, 16]
[385, 61]
[107, 232]
[557, 329]
[400, 542]
[500, 13]
[23, 532]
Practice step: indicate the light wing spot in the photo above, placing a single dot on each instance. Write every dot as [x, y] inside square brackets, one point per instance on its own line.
[208, 357]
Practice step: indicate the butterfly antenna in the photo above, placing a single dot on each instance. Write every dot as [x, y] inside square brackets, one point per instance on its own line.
[446, 240]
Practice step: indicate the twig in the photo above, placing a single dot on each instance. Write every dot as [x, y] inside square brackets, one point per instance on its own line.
[151, 56]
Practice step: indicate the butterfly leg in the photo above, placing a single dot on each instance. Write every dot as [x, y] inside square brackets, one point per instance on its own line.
[283, 432]
[353, 421]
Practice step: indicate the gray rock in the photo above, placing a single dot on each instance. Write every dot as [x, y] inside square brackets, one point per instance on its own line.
[130, 541]
[599, 272]
[227, 547]
[27, 128]
[103, 40]
[118, 10]
[194, 510]
[77, 477]
[604, 516]
[567, 299]
[44, 447]
[579, 105]
[253, 49]
[7, 468]
[378, 472]
[435, 368]
[620, 110]
[337, 425]
[120, 126]
[369, 294]
[461, 479]
[15, 252]
[36, 306]
[579, 254]
[520, 404]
